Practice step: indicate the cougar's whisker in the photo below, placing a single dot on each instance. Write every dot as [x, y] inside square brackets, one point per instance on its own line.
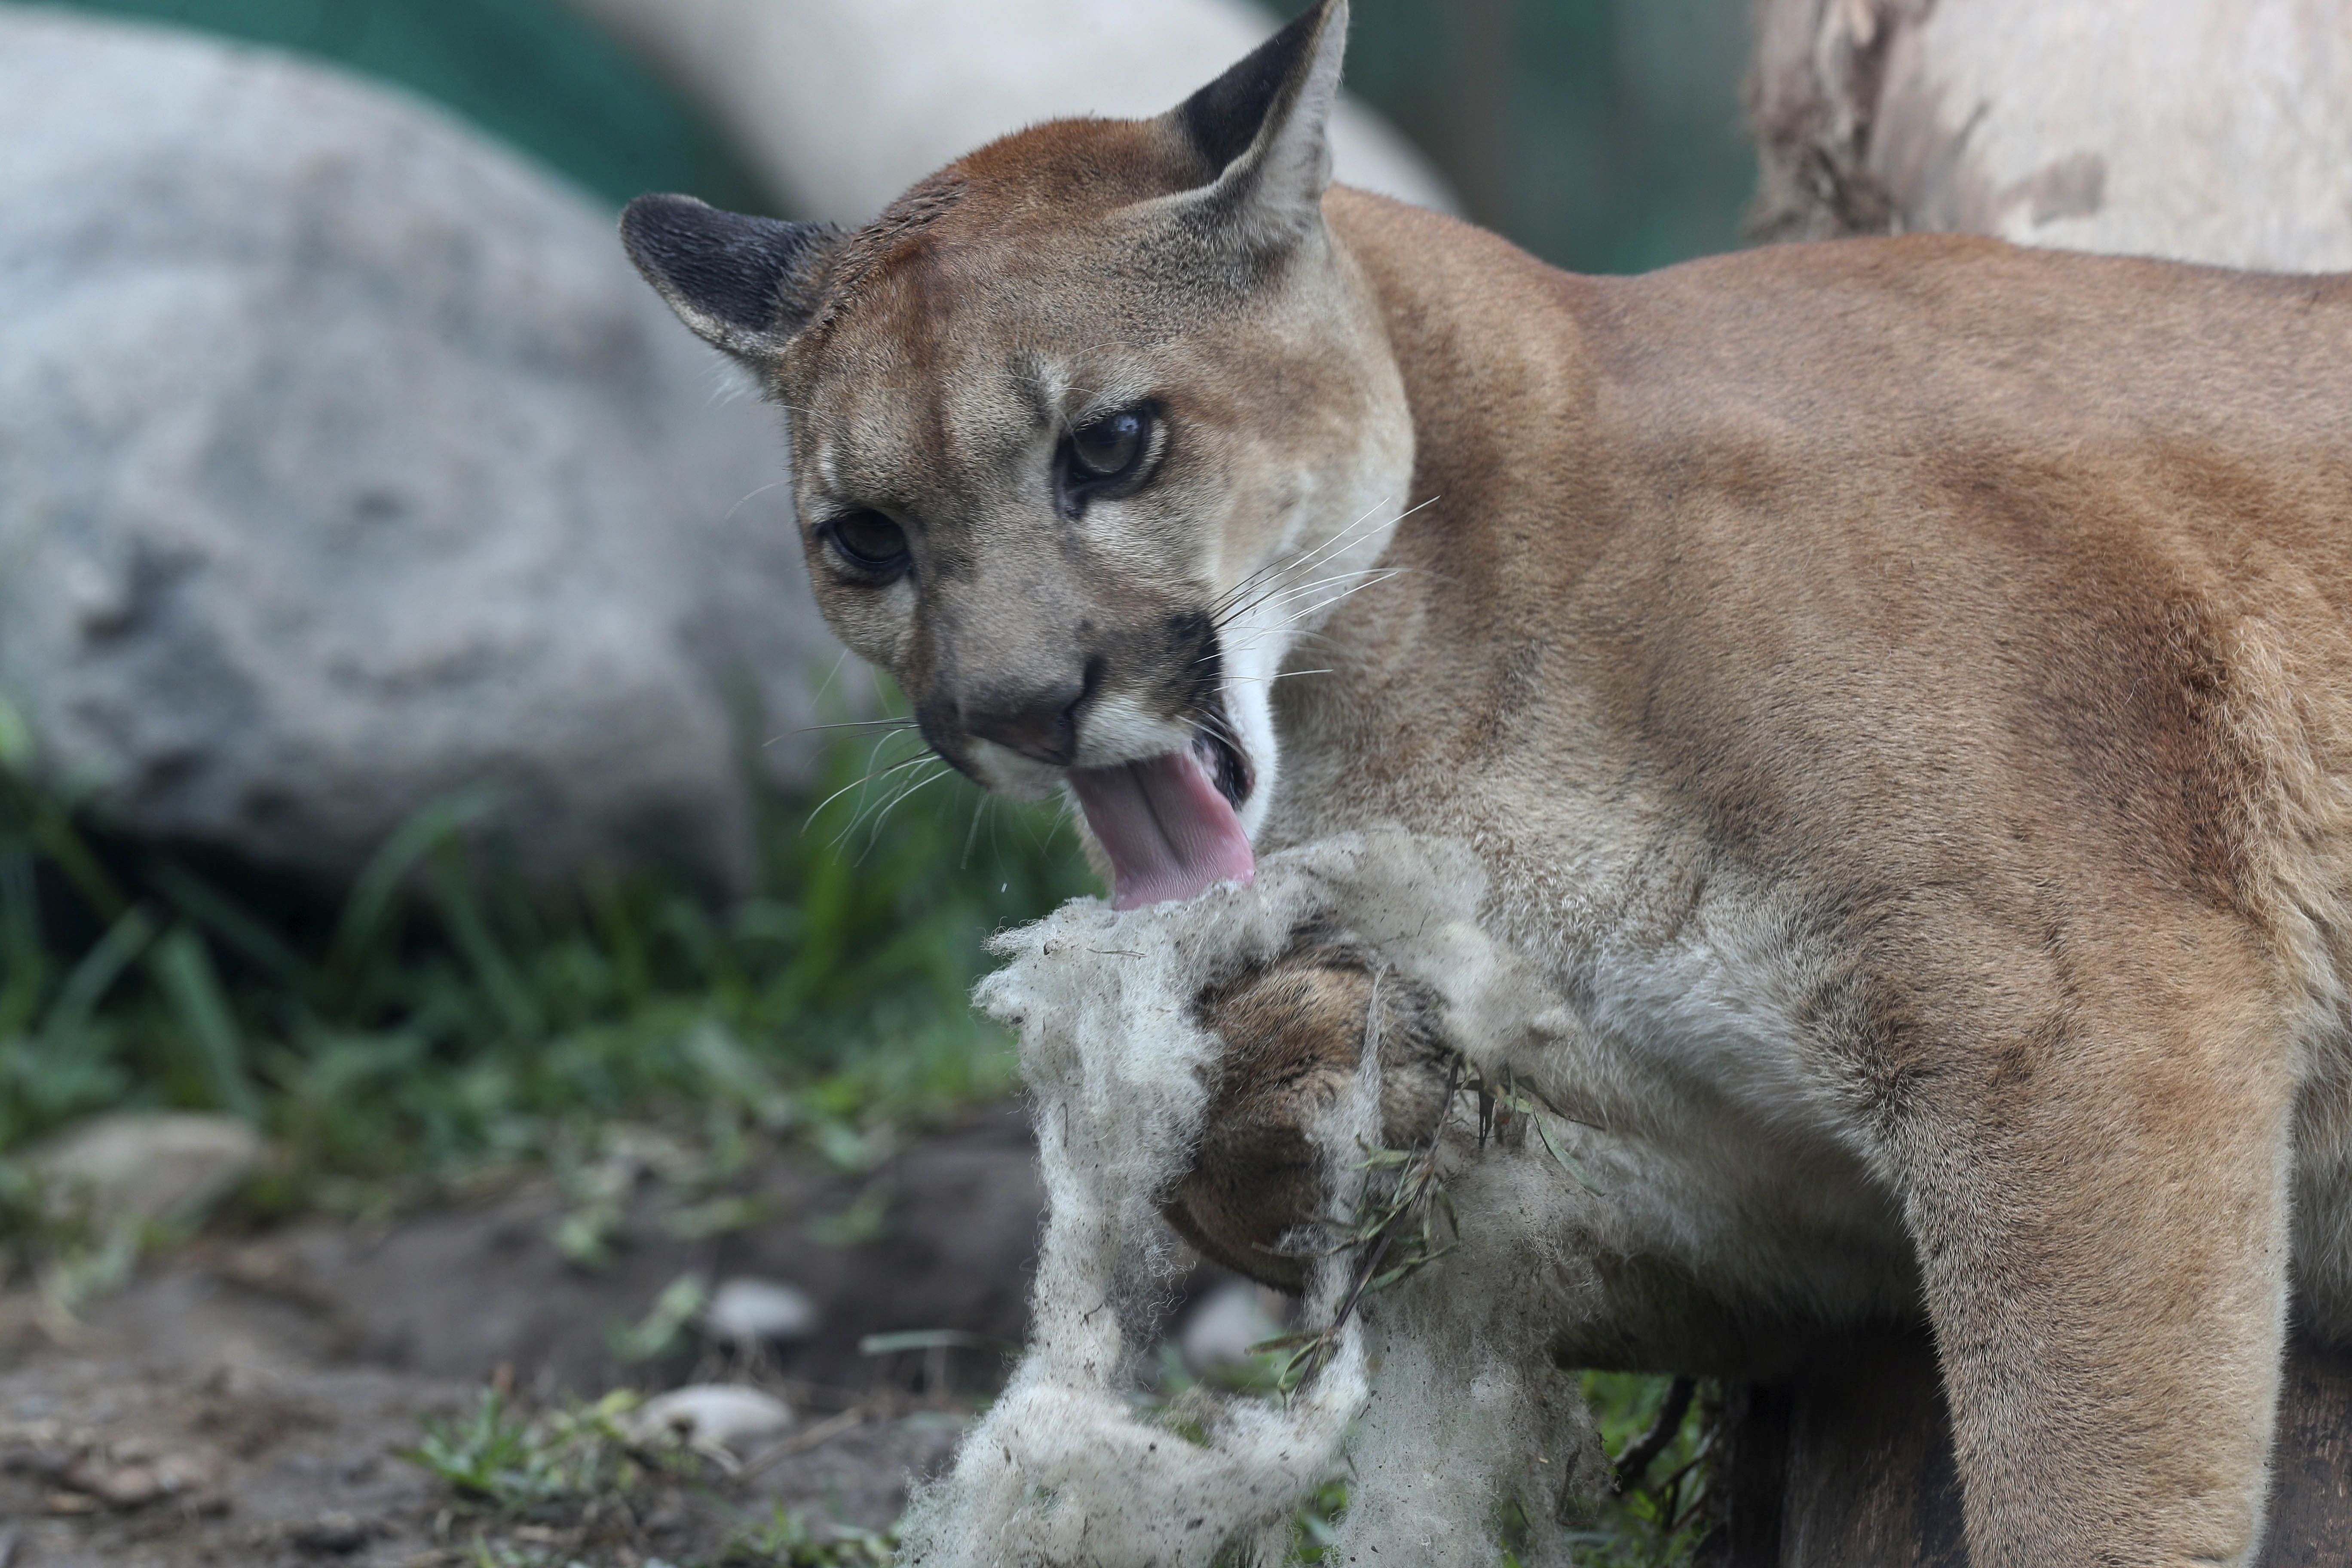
[1280, 566]
[848, 724]
[873, 825]
[1227, 607]
[1244, 643]
[1280, 596]
[870, 776]
[1350, 534]
[1326, 603]
[1357, 582]
[867, 781]
[748, 500]
[830, 677]
[971, 835]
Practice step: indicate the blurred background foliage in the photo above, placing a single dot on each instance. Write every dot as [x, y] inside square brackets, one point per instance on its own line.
[433, 1014]
[1605, 135]
[437, 1018]
[432, 1020]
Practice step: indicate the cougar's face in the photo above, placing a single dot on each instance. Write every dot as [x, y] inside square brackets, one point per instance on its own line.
[1088, 431]
[1083, 509]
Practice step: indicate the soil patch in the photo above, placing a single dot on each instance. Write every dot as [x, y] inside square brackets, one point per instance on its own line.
[244, 1401]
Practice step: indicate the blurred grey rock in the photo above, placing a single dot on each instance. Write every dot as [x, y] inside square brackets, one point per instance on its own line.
[144, 1166]
[345, 462]
[2214, 131]
[710, 1415]
[759, 1312]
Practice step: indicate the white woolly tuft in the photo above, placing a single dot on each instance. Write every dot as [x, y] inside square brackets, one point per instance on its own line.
[1437, 1394]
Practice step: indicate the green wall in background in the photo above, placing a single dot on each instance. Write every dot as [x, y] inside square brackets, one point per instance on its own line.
[1602, 134]
[526, 70]
[1605, 135]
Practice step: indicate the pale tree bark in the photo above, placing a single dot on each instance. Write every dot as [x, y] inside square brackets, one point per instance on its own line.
[2214, 131]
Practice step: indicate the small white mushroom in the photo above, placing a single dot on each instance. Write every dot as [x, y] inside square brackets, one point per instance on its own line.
[711, 1417]
[748, 1311]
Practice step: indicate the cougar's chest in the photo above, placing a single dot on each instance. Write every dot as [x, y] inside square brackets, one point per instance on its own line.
[1713, 1005]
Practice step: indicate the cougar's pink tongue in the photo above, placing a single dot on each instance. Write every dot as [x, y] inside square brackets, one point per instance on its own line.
[1169, 832]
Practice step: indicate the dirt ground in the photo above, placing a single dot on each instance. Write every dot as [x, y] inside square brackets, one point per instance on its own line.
[243, 1399]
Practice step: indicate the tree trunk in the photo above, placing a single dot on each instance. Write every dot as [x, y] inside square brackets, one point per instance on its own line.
[1850, 1465]
[2197, 129]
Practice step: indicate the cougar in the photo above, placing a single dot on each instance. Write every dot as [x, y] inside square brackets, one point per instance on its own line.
[1900, 691]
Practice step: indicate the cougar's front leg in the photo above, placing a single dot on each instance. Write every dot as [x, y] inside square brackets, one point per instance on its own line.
[2098, 1190]
[1293, 1033]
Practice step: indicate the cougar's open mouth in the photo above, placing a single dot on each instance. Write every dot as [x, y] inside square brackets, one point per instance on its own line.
[1172, 823]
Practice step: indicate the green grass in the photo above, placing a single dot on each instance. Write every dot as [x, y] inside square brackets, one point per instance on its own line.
[440, 1018]
[1661, 1517]
[505, 1468]
[790, 1538]
[513, 1468]
[524, 1467]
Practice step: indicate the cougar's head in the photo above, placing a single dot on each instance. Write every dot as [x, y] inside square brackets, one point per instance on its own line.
[1088, 431]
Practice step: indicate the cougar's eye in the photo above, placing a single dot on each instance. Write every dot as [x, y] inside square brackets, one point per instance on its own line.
[1105, 455]
[1106, 448]
[869, 542]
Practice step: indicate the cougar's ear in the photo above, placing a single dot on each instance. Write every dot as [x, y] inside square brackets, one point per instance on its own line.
[1263, 129]
[742, 283]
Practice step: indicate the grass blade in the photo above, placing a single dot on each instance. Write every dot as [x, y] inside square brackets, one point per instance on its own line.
[95, 976]
[184, 968]
[379, 881]
[463, 915]
[235, 926]
[22, 950]
[46, 822]
[1566, 1164]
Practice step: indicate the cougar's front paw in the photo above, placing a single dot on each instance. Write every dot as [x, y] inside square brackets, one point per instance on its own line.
[1293, 1033]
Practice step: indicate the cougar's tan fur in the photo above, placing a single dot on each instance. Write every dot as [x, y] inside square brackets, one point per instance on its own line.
[1902, 691]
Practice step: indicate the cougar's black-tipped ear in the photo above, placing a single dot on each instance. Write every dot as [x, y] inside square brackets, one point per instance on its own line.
[742, 283]
[1263, 129]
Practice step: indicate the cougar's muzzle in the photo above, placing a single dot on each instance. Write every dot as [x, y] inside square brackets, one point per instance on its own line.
[1136, 726]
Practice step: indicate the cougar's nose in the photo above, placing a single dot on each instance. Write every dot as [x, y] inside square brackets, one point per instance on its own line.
[1039, 722]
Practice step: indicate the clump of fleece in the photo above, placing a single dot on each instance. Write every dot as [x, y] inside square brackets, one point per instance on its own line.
[1436, 1394]
[1467, 1412]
